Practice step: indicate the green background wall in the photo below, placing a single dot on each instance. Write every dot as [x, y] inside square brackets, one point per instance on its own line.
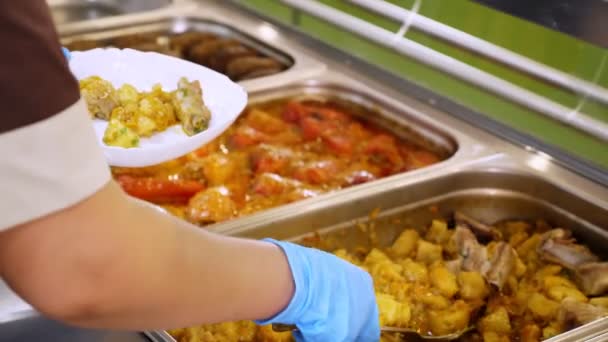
[555, 49]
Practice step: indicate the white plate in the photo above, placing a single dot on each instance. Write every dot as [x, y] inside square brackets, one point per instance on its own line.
[224, 98]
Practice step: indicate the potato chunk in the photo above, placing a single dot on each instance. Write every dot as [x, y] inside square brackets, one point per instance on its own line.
[599, 301]
[542, 307]
[405, 243]
[381, 268]
[438, 232]
[392, 312]
[497, 321]
[415, 271]
[472, 285]
[443, 280]
[490, 336]
[428, 252]
[452, 320]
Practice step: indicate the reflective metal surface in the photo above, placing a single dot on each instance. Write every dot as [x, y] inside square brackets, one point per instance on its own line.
[487, 176]
[66, 11]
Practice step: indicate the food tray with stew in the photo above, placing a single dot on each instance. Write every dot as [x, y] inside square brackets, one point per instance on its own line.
[289, 145]
[208, 43]
[502, 253]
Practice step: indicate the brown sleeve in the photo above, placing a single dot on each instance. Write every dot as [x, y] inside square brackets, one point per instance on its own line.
[36, 82]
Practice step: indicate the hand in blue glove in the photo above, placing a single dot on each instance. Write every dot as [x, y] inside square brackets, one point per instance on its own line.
[333, 300]
[66, 53]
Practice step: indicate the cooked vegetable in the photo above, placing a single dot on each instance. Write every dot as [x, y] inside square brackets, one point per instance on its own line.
[537, 302]
[133, 115]
[160, 190]
[267, 158]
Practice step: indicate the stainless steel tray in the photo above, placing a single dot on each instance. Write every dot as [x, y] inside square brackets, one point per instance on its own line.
[179, 19]
[492, 190]
[66, 11]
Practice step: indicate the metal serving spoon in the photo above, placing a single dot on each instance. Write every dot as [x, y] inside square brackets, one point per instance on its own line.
[277, 327]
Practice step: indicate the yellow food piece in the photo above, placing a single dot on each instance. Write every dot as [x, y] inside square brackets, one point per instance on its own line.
[443, 280]
[599, 301]
[561, 292]
[490, 336]
[266, 334]
[414, 271]
[428, 252]
[453, 319]
[434, 301]
[520, 267]
[345, 255]
[405, 243]
[550, 331]
[117, 134]
[552, 281]
[497, 321]
[472, 285]
[527, 250]
[143, 113]
[438, 232]
[542, 307]
[381, 268]
[415, 290]
[392, 312]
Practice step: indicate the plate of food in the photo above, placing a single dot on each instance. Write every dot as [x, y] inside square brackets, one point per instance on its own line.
[147, 108]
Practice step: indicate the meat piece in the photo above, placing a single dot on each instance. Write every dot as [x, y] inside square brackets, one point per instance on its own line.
[183, 42]
[557, 246]
[481, 230]
[134, 39]
[82, 45]
[473, 255]
[100, 96]
[202, 52]
[240, 67]
[261, 72]
[210, 206]
[501, 265]
[190, 107]
[593, 278]
[220, 59]
[573, 313]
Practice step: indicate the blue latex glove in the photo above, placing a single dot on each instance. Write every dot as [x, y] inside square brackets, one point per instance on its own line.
[333, 300]
[66, 53]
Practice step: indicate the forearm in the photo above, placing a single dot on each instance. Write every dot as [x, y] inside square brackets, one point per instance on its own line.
[137, 268]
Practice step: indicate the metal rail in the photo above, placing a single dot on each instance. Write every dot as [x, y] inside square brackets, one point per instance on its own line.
[485, 48]
[456, 68]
